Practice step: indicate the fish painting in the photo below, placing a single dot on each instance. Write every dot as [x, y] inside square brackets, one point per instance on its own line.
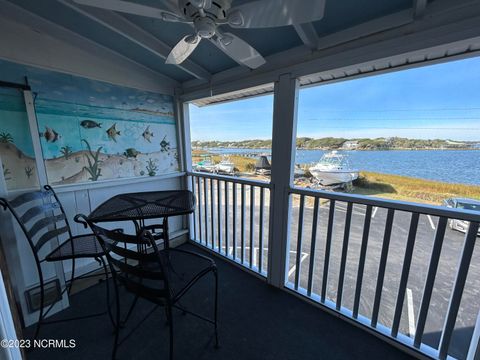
[131, 152]
[112, 132]
[50, 135]
[147, 134]
[89, 124]
[164, 144]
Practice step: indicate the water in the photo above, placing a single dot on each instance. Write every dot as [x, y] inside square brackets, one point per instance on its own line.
[453, 166]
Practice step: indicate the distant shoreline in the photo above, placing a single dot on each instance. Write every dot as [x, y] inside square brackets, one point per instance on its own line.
[361, 144]
[330, 149]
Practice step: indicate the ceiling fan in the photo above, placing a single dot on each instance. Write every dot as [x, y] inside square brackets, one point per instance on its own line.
[206, 17]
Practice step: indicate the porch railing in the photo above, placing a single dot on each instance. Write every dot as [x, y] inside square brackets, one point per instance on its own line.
[395, 267]
[232, 218]
[386, 265]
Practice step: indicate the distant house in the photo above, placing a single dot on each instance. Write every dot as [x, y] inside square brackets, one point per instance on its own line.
[350, 145]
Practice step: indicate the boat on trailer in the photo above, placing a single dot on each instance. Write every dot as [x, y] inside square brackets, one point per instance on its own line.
[205, 165]
[226, 166]
[333, 169]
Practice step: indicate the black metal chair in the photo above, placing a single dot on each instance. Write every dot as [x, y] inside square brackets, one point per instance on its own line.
[42, 219]
[146, 272]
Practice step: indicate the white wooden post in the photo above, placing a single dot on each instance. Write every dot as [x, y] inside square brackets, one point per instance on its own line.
[283, 161]
[37, 147]
[183, 115]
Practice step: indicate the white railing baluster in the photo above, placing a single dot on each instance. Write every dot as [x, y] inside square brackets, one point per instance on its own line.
[195, 212]
[219, 216]
[205, 198]
[361, 261]
[252, 222]
[328, 245]
[382, 266]
[212, 214]
[313, 242]
[227, 185]
[456, 296]
[298, 260]
[430, 280]
[199, 186]
[407, 261]
[234, 234]
[260, 231]
[242, 226]
[343, 262]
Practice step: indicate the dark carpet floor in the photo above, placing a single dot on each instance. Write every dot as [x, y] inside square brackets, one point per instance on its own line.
[257, 321]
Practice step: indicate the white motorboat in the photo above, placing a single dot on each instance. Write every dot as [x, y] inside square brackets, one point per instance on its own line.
[226, 166]
[332, 169]
[205, 165]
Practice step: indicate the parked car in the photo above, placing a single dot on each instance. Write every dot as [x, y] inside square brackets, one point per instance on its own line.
[465, 204]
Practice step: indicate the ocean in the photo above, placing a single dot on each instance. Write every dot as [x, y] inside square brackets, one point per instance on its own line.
[452, 166]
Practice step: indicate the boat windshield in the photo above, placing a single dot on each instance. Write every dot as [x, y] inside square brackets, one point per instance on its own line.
[333, 159]
[468, 206]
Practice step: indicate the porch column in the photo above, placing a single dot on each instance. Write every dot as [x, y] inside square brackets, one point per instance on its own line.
[185, 151]
[283, 161]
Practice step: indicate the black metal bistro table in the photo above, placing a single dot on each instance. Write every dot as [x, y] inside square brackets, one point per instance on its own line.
[140, 206]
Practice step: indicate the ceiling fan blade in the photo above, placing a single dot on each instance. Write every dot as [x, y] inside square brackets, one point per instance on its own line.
[128, 7]
[238, 50]
[273, 13]
[183, 49]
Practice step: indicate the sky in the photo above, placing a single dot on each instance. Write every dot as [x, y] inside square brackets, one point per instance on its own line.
[437, 101]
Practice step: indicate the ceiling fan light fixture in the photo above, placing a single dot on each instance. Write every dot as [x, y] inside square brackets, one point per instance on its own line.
[205, 27]
[235, 18]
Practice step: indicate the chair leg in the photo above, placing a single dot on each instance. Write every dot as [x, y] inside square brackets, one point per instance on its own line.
[134, 303]
[40, 315]
[109, 308]
[215, 273]
[117, 322]
[168, 309]
[72, 277]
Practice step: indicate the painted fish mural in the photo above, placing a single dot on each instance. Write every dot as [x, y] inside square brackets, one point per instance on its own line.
[164, 144]
[131, 152]
[147, 134]
[50, 135]
[89, 124]
[112, 132]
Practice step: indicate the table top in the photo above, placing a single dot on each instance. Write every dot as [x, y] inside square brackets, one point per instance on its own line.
[144, 205]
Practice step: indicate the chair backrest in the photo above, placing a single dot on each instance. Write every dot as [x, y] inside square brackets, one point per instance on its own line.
[40, 215]
[141, 268]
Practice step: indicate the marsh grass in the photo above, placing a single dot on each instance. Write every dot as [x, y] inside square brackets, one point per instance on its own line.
[411, 189]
